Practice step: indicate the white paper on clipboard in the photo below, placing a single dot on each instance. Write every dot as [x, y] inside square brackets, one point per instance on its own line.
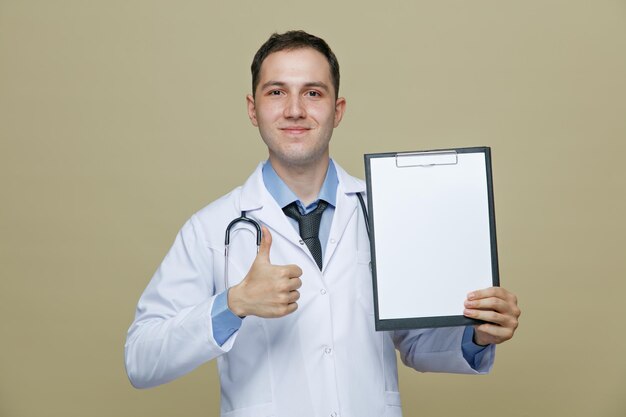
[434, 234]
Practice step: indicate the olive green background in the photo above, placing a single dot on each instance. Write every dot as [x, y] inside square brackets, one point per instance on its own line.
[120, 118]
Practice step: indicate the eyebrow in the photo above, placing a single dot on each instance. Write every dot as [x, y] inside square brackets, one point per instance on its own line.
[316, 84]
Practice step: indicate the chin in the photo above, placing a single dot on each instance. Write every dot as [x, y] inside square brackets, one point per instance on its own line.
[301, 158]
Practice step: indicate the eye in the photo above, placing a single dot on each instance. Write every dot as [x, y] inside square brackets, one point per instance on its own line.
[274, 93]
[313, 94]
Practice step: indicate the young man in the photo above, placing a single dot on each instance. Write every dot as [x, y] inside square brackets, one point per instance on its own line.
[292, 327]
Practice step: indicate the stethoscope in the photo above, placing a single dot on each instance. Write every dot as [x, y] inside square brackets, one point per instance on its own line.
[257, 226]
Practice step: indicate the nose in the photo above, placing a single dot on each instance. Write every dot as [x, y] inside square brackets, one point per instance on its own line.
[294, 108]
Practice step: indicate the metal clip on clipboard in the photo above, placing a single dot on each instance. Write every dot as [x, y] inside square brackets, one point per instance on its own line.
[426, 159]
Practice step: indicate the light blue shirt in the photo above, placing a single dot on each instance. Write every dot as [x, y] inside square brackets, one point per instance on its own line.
[225, 322]
[284, 196]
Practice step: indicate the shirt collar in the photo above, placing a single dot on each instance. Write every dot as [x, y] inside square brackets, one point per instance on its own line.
[284, 196]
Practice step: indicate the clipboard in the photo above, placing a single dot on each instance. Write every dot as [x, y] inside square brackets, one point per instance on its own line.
[433, 235]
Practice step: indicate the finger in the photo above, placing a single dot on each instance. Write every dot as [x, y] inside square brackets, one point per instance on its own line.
[482, 293]
[488, 316]
[282, 310]
[502, 320]
[292, 271]
[290, 308]
[294, 284]
[287, 285]
[497, 292]
[491, 303]
[266, 244]
[496, 334]
[496, 304]
[294, 296]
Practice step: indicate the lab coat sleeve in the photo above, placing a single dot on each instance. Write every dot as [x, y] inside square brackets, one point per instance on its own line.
[172, 332]
[439, 350]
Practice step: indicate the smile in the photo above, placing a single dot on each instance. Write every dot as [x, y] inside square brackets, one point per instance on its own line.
[295, 130]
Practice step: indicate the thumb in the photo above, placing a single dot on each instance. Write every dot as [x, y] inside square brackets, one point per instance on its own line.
[266, 244]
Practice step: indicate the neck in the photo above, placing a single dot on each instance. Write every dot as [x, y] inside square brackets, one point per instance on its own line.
[305, 181]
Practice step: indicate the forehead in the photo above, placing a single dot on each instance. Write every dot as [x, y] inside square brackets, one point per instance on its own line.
[303, 64]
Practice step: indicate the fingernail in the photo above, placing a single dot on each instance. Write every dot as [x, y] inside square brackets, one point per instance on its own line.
[468, 312]
[471, 296]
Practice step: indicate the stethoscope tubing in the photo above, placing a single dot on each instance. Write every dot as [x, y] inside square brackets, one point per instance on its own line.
[241, 219]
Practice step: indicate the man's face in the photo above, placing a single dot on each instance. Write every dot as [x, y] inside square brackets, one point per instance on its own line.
[294, 107]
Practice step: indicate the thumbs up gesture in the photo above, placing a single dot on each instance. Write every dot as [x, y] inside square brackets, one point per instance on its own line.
[267, 290]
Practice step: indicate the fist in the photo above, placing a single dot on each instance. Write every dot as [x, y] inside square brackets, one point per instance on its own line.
[496, 306]
[267, 290]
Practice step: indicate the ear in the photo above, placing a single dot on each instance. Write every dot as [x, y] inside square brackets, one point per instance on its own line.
[340, 108]
[251, 110]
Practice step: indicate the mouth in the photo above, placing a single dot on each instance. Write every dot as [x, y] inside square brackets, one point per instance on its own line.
[295, 130]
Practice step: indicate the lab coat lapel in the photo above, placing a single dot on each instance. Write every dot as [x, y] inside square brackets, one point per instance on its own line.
[346, 206]
[257, 202]
[261, 206]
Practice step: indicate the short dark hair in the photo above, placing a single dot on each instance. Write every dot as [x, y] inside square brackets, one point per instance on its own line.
[294, 39]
